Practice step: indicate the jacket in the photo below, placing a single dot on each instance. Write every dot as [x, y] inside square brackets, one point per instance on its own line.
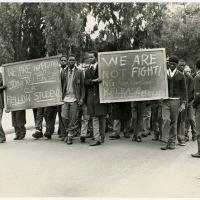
[177, 86]
[196, 90]
[94, 107]
[78, 83]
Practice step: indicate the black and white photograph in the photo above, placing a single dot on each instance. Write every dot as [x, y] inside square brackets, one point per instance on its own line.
[99, 99]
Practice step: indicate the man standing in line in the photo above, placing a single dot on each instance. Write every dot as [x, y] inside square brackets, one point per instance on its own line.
[196, 105]
[2, 87]
[190, 112]
[73, 94]
[176, 102]
[96, 110]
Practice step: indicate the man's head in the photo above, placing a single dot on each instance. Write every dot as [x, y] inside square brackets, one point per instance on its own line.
[63, 61]
[197, 64]
[71, 60]
[187, 70]
[173, 62]
[181, 65]
[92, 57]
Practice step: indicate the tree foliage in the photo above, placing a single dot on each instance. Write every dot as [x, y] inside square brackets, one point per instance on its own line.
[129, 25]
[21, 32]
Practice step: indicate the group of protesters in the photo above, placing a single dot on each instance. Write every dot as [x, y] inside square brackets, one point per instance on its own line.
[82, 114]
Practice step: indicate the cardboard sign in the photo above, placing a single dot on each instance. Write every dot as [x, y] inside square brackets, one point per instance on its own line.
[132, 75]
[32, 84]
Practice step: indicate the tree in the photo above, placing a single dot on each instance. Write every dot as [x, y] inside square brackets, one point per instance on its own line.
[64, 27]
[129, 25]
[21, 31]
[181, 32]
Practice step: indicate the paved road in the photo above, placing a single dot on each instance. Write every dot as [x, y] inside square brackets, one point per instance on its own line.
[50, 168]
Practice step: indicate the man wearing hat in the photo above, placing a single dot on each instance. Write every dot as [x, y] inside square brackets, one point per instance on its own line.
[176, 102]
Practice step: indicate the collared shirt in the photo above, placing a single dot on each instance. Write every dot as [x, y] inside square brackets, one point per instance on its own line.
[70, 95]
[171, 73]
[93, 66]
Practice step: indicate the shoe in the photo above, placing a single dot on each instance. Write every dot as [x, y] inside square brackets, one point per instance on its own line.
[137, 138]
[95, 143]
[62, 138]
[194, 138]
[181, 143]
[168, 146]
[114, 137]
[47, 135]
[21, 137]
[82, 139]
[69, 140]
[126, 135]
[37, 135]
[155, 138]
[2, 140]
[16, 137]
[145, 134]
[196, 155]
[186, 139]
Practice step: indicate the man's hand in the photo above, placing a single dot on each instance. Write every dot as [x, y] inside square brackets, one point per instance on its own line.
[97, 80]
[80, 103]
[182, 107]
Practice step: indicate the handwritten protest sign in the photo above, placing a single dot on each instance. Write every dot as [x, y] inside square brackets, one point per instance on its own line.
[32, 84]
[132, 75]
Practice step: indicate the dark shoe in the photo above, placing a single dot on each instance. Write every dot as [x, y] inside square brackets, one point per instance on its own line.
[186, 139]
[2, 140]
[168, 146]
[137, 138]
[165, 147]
[82, 139]
[69, 140]
[62, 138]
[155, 138]
[196, 155]
[145, 134]
[37, 135]
[16, 137]
[126, 135]
[114, 137]
[21, 137]
[47, 135]
[95, 143]
[194, 138]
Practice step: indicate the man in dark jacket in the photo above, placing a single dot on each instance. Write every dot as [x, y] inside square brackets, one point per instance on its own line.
[2, 87]
[96, 110]
[73, 94]
[176, 102]
[196, 105]
[190, 121]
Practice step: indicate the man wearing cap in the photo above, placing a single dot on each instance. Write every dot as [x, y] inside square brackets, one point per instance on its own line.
[176, 102]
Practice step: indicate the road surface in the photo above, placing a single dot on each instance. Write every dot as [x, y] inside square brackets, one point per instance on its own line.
[118, 168]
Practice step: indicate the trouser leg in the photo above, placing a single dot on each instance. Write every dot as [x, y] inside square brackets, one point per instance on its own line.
[102, 127]
[2, 133]
[39, 119]
[174, 111]
[85, 121]
[50, 118]
[73, 111]
[61, 127]
[181, 127]
[96, 130]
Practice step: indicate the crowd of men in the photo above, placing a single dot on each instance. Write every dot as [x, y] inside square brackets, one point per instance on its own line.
[82, 113]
